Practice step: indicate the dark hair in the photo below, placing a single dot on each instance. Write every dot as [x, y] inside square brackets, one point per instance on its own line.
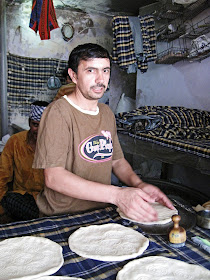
[40, 103]
[85, 52]
[65, 73]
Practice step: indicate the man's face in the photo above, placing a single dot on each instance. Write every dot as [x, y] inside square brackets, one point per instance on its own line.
[34, 125]
[92, 77]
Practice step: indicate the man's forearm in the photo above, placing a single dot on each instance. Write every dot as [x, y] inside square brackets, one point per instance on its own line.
[69, 184]
[131, 201]
[125, 173]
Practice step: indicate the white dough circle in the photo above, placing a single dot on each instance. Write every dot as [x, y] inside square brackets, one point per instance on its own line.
[29, 257]
[162, 268]
[164, 215]
[108, 242]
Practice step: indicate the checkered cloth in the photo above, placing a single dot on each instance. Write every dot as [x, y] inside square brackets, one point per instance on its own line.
[20, 207]
[123, 51]
[27, 82]
[58, 229]
[182, 129]
[149, 41]
[36, 112]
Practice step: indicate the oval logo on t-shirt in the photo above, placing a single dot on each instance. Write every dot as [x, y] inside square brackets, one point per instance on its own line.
[97, 148]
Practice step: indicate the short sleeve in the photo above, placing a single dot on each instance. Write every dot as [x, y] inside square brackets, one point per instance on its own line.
[53, 140]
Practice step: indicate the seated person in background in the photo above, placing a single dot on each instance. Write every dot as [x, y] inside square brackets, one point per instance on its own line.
[16, 170]
[65, 89]
[78, 148]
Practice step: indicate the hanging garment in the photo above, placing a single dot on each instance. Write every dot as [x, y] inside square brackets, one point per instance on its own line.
[43, 18]
[123, 51]
[136, 33]
[149, 41]
[127, 52]
[138, 42]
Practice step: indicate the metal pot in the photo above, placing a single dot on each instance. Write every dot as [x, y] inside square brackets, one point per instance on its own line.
[203, 219]
[54, 82]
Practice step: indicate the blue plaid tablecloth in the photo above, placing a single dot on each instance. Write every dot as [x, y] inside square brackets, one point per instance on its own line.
[59, 228]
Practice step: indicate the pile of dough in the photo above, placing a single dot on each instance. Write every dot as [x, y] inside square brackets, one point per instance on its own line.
[164, 214]
[205, 206]
[108, 242]
[29, 257]
[162, 268]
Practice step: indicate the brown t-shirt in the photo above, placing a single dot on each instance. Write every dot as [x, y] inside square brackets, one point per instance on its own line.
[82, 143]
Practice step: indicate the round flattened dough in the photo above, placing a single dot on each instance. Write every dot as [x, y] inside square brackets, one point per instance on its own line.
[29, 257]
[162, 268]
[164, 215]
[108, 242]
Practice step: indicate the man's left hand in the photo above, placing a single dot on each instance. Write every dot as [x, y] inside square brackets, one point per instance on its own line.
[156, 194]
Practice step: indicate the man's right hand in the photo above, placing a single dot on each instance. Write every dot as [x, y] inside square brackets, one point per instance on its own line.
[133, 202]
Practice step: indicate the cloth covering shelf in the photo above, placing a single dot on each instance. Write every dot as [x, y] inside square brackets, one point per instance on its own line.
[183, 137]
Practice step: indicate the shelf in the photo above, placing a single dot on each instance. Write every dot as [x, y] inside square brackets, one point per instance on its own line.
[195, 8]
[199, 54]
[171, 56]
[170, 14]
[170, 11]
[168, 37]
[199, 28]
[182, 16]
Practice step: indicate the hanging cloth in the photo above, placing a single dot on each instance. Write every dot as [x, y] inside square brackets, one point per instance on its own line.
[147, 24]
[138, 42]
[123, 51]
[43, 18]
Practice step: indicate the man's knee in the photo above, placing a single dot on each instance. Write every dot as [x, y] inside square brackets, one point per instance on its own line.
[20, 207]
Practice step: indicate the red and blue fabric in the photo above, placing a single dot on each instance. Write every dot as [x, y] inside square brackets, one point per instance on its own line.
[43, 18]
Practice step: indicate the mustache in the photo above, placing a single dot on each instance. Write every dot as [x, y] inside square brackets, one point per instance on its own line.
[99, 85]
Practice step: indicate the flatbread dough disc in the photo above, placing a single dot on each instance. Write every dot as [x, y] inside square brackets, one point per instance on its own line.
[108, 242]
[162, 268]
[29, 257]
[164, 215]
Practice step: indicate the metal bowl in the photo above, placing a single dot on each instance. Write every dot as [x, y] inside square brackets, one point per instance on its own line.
[203, 219]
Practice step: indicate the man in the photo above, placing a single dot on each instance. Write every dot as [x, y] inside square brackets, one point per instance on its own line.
[16, 160]
[78, 148]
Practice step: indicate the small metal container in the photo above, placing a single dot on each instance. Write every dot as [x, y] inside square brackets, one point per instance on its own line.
[203, 219]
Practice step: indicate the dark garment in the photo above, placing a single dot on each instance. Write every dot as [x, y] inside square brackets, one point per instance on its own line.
[20, 207]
